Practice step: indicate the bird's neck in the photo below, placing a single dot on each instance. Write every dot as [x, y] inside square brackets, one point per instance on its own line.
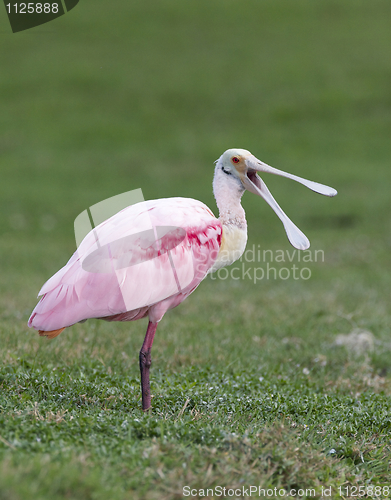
[228, 192]
[231, 212]
[233, 219]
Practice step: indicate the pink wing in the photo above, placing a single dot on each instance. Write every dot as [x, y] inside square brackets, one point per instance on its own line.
[138, 278]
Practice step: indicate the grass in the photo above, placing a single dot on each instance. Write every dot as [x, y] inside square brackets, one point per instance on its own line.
[249, 384]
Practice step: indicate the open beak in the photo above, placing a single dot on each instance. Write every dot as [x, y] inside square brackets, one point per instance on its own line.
[253, 183]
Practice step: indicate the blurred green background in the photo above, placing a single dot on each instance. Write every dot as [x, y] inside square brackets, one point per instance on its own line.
[115, 96]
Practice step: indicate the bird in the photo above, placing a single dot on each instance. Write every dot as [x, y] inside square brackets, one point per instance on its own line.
[150, 256]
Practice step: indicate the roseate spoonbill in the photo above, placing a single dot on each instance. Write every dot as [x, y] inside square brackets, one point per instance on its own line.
[140, 277]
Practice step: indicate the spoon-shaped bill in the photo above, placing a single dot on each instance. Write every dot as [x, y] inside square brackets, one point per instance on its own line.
[297, 238]
[259, 166]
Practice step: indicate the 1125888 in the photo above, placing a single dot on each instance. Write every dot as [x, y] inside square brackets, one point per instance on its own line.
[32, 8]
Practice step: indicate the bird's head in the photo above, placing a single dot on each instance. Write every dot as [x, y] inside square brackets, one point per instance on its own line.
[242, 168]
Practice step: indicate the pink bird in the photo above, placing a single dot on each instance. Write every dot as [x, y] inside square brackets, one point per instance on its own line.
[120, 273]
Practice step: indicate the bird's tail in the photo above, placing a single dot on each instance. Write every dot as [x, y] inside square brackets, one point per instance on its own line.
[51, 334]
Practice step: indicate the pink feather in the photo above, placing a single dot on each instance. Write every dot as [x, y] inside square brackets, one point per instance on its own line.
[150, 287]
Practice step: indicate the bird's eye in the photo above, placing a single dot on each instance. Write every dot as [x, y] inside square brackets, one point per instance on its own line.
[235, 159]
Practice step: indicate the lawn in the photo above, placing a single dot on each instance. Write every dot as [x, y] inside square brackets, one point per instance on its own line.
[277, 383]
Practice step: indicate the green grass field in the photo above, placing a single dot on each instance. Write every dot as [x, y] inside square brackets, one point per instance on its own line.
[250, 385]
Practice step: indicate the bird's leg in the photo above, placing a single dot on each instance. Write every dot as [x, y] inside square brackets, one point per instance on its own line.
[145, 363]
